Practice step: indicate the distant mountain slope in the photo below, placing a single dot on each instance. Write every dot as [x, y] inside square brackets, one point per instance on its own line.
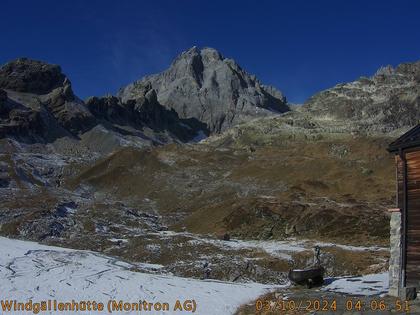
[388, 100]
[202, 84]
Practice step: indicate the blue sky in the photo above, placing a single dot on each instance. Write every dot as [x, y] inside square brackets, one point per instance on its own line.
[299, 46]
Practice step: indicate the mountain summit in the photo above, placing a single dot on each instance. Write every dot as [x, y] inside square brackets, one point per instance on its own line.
[202, 84]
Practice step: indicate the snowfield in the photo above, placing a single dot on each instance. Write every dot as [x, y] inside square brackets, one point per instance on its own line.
[30, 271]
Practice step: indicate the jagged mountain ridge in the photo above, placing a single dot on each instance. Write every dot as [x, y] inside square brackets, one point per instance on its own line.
[385, 104]
[203, 84]
[38, 105]
[387, 101]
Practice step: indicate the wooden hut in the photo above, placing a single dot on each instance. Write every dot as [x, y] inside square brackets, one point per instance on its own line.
[405, 219]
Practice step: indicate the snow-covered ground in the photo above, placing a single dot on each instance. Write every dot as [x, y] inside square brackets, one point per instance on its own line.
[32, 271]
[374, 284]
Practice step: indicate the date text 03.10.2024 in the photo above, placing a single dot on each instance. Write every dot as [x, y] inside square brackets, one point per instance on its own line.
[330, 305]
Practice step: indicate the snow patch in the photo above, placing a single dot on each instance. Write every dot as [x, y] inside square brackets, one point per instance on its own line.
[118, 240]
[32, 271]
[373, 284]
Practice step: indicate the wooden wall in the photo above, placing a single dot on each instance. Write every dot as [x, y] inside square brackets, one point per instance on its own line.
[413, 215]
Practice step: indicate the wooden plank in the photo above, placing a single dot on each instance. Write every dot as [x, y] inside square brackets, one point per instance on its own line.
[413, 274]
[413, 232]
[413, 223]
[413, 219]
[413, 238]
[411, 280]
[413, 215]
[412, 271]
[412, 154]
[413, 254]
[411, 268]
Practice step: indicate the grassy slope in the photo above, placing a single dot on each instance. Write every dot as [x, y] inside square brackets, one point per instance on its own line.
[330, 188]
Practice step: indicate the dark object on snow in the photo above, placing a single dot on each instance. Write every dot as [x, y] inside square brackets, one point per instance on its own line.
[226, 237]
[312, 276]
[223, 236]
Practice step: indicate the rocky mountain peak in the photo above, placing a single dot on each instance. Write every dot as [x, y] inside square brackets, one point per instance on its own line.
[31, 76]
[39, 104]
[211, 54]
[386, 70]
[411, 70]
[204, 85]
[388, 100]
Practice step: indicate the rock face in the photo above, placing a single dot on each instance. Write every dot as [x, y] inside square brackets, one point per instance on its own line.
[31, 76]
[144, 111]
[202, 84]
[388, 100]
[37, 104]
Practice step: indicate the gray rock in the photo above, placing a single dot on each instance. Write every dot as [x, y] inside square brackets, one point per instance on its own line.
[387, 101]
[21, 123]
[70, 112]
[144, 112]
[39, 104]
[202, 84]
[30, 76]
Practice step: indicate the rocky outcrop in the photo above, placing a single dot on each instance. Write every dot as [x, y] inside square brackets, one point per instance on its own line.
[69, 111]
[31, 76]
[204, 85]
[16, 120]
[144, 112]
[38, 103]
[22, 124]
[388, 100]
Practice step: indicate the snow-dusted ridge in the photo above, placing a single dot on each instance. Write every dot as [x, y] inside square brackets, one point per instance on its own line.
[30, 271]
